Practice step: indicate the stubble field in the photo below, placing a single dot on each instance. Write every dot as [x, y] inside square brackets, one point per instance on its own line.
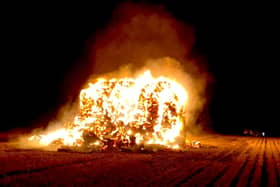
[221, 161]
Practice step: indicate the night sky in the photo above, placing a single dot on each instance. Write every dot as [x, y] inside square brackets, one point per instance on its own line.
[45, 62]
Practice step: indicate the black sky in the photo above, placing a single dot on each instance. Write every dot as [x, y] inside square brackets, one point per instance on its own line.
[44, 61]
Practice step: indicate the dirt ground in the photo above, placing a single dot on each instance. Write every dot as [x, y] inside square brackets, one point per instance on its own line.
[221, 161]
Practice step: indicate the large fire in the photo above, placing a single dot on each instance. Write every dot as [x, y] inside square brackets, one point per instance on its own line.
[125, 112]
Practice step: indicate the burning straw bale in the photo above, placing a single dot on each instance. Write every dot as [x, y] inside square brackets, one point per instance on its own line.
[125, 113]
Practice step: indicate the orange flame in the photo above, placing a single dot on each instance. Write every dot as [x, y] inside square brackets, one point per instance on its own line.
[126, 111]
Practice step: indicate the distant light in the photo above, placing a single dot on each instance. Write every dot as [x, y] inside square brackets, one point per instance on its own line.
[263, 133]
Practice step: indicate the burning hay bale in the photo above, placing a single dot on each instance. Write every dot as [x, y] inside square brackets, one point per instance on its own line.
[125, 113]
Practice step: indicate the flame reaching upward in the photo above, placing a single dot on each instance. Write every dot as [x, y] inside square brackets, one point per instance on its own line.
[125, 112]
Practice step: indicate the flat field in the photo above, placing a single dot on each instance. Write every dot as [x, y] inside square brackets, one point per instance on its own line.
[221, 161]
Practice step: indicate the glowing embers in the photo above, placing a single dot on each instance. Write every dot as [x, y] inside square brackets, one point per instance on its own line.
[125, 112]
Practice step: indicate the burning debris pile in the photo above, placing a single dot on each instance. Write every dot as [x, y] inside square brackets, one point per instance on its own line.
[125, 113]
